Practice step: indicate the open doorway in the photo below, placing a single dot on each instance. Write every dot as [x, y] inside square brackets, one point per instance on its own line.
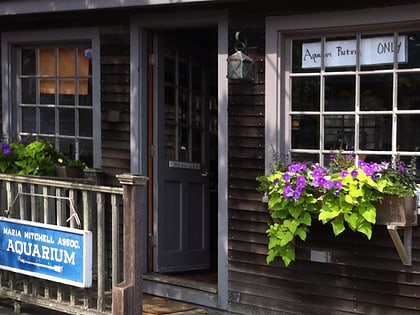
[184, 210]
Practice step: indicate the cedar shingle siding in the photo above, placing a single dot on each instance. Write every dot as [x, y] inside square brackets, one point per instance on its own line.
[362, 277]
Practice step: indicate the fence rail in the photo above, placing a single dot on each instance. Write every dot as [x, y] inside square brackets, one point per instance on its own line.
[98, 209]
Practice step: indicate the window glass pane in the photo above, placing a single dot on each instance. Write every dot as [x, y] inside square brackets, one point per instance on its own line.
[376, 92]
[340, 54]
[377, 52]
[85, 123]
[304, 157]
[183, 73]
[183, 150]
[85, 99]
[196, 77]
[47, 89]
[170, 68]
[28, 90]
[83, 59]
[340, 93]
[412, 41]
[306, 55]
[86, 151]
[197, 111]
[305, 132]
[47, 62]
[66, 61]
[170, 145]
[409, 91]
[375, 132]
[68, 147]
[183, 107]
[197, 143]
[305, 94]
[66, 87]
[28, 119]
[28, 61]
[66, 121]
[47, 117]
[408, 131]
[339, 132]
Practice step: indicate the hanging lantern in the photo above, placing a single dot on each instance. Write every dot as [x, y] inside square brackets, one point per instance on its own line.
[240, 66]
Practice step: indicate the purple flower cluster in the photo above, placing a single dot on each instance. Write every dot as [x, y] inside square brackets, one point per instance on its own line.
[293, 172]
[298, 176]
[5, 147]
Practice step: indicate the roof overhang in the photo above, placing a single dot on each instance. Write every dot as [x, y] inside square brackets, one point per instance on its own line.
[15, 7]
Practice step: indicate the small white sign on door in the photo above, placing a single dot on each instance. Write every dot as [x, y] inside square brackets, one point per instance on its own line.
[339, 53]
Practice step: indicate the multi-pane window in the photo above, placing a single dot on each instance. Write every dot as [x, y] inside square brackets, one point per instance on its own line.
[54, 97]
[358, 93]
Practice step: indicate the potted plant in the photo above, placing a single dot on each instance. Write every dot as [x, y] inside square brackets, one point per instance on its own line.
[31, 156]
[70, 168]
[343, 194]
[27, 157]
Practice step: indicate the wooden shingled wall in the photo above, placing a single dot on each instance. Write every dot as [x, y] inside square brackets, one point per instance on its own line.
[357, 276]
[115, 100]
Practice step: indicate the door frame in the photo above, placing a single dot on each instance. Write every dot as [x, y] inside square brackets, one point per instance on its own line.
[139, 151]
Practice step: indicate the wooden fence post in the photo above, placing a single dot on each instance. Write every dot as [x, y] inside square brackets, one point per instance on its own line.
[127, 296]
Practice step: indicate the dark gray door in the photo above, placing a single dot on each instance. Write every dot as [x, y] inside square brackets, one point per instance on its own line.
[182, 217]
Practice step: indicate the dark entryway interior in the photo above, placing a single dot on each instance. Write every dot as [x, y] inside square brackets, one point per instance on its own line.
[205, 40]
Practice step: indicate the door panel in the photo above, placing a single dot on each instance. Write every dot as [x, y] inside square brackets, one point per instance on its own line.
[182, 212]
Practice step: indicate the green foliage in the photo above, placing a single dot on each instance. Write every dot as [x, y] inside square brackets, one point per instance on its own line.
[342, 195]
[28, 158]
[33, 157]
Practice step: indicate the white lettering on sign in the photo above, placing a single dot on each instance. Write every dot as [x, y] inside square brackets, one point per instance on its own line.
[376, 50]
[45, 252]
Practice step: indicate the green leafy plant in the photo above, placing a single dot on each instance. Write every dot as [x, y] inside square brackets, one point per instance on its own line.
[66, 162]
[342, 194]
[29, 156]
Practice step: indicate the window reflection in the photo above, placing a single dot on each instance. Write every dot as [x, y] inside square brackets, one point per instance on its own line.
[305, 132]
[340, 93]
[376, 92]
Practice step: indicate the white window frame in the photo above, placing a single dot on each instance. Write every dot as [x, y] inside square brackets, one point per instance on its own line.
[11, 39]
[279, 29]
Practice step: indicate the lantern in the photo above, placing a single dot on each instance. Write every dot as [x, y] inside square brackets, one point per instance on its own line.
[239, 65]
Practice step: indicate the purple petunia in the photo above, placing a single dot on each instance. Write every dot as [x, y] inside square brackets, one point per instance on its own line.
[6, 148]
[337, 184]
[286, 177]
[344, 173]
[276, 181]
[354, 173]
[368, 170]
[327, 184]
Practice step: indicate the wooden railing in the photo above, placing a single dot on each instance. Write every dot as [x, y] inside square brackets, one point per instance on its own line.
[98, 209]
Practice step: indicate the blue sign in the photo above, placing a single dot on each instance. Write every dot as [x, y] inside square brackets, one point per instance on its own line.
[46, 251]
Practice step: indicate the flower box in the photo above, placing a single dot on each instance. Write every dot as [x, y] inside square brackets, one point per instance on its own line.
[398, 211]
[70, 172]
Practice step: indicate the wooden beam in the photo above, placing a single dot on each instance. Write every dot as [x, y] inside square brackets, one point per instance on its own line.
[403, 248]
